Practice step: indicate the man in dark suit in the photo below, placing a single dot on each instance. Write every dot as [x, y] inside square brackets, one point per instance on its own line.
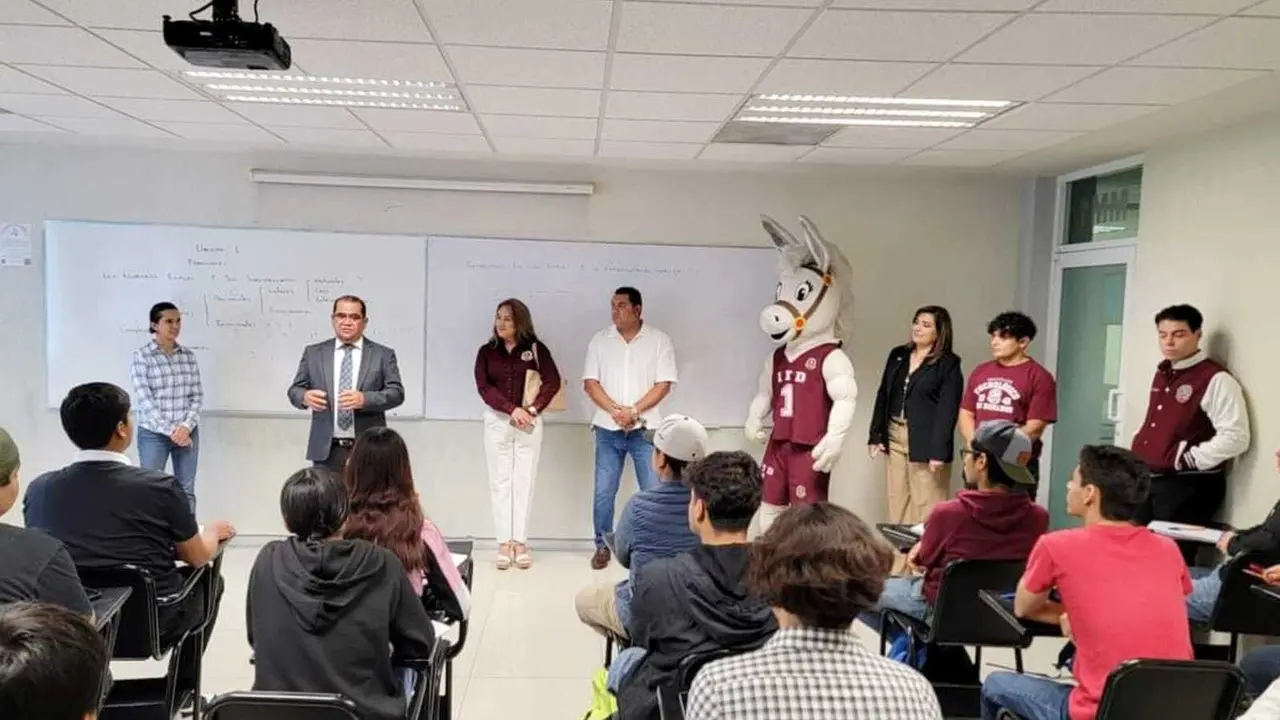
[349, 383]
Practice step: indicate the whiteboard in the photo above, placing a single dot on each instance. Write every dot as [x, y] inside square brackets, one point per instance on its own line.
[251, 300]
[707, 299]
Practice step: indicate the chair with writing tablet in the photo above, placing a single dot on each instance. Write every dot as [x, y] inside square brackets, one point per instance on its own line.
[1239, 610]
[445, 610]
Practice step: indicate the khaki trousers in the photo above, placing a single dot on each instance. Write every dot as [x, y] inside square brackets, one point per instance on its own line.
[913, 489]
[597, 607]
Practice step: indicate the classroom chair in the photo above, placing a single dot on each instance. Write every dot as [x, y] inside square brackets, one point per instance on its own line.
[672, 697]
[1164, 689]
[1240, 611]
[443, 607]
[281, 706]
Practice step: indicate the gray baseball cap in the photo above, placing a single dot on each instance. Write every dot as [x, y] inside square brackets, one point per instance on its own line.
[680, 437]
[1011, 446]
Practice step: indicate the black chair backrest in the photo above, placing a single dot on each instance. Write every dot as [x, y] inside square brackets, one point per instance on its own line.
[1239, 609]
[691, 665]
[960, 617]
[1163, 689]
[139, 635]
[437, 597]
[280, 706]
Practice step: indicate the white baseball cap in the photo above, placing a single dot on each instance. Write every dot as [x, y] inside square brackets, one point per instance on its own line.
[680, 437]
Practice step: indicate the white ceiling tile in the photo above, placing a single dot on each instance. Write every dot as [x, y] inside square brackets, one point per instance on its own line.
[668, 106]
[24, 12]
[1080, 39]
[298, 116]
[555, 128]
[1151, 85]
[788, 3]
[545, 68]
[748, 152]
[1020, 140]
[891, 137]
[496, 100]
[957, 5]
[455, 123]
[707, 29]
[684, 73]
[135, 14]
[543, 146]
[867, 35]
[554, 24]
[997, 82]
[111, 82]
[436, 142]
[961, 158]
[1270, 8]
[328, 136]
[14, 81]
[842, 77]
[40, 45]
[1245, 43]
[855, 156]
[386, 20]
[382, 61]
[1049, 116]
[13, 123]
[658, 131]
[1162, 7]
[148, 46]
[60, 106]
[108, 126]
[193, 111]
[654, 151]
[220, 132]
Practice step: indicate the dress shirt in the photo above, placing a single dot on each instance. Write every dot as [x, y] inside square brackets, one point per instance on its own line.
[628, 370]
[100, 456]
[500, 375]
[166, 388]
[357, 353]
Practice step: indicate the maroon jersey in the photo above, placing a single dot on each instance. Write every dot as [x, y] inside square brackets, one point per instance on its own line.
[1175, 421]
[801, 404]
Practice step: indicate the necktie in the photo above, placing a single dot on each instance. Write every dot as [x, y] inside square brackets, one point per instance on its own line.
[345, 417]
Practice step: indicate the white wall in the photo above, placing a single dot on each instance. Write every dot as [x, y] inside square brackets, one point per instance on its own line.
[913, 238]
[1210, 215]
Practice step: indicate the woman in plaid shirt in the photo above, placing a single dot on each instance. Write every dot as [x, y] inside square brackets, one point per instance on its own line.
[168, 396]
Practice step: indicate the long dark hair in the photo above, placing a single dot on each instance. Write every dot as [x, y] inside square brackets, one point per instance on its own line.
[384, 506]
[941, 325]
[522, 318]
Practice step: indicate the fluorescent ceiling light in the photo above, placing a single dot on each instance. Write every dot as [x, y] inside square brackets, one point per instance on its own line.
[804, 109]
[344, 102]
[332, 92]
[941, 102]
[280, 77]
[967, 114]
[283, 89]
[883, 122]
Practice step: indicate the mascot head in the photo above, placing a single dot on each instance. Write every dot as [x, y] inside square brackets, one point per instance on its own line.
[813, 287]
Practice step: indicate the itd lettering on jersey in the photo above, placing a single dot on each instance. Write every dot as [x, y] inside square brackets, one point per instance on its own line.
[791, 376]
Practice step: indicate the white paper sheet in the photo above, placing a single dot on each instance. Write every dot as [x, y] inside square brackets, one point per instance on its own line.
[1183, 531]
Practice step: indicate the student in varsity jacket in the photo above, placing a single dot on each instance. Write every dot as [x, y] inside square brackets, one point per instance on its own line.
[1196, 422]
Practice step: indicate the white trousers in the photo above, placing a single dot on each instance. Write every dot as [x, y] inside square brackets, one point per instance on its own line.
[512, 457]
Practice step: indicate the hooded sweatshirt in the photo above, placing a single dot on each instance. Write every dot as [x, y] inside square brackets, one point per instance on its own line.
[691, 603]
[978, 525]
[327, 616]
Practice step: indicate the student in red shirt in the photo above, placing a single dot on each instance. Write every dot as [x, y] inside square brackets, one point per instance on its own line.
[1011, 387]
[1086, 565]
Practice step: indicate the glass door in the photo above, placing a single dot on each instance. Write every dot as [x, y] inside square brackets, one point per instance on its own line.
[1089, 332]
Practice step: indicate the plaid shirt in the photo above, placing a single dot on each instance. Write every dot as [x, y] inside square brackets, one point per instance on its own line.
[810, 673]
[166, 388]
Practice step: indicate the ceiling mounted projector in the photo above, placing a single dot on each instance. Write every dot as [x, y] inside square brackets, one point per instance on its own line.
[226, 41]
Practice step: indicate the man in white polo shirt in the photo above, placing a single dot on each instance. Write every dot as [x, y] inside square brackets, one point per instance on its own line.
[630, 368]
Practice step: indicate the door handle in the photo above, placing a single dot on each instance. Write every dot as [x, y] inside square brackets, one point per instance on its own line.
[1113, 405]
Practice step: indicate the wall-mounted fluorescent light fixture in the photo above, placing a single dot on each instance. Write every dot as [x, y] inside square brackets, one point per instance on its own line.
[292, 89]
[874, 111]
[406, 183]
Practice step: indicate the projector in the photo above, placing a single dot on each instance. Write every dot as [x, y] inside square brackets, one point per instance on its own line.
[226, 41]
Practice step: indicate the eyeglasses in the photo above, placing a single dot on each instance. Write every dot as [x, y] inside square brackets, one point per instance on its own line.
[348, 316]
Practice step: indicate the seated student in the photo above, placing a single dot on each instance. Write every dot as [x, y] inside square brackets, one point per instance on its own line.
[819, 566]
[385, 510]
[994, 520]
[109, 512]
[655, 523]
[327, 614]
[52, 661]
[696, 602]
[33, 566]
[1207, 583]
[1090, 567]
[1261, 665]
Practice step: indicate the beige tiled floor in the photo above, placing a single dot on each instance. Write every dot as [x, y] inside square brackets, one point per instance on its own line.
[527, 653]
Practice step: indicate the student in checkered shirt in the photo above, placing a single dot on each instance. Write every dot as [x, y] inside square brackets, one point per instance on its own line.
[169, 395]
[819, 566]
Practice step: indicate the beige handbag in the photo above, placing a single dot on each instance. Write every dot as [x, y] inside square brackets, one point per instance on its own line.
[533, 385]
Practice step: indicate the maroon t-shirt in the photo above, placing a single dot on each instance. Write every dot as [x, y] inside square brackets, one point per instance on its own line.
[1011, 392]
[801, 404]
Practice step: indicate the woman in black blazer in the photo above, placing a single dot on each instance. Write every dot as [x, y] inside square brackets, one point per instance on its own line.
[914, 420]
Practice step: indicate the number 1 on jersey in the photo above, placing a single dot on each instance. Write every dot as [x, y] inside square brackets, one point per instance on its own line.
[788, 393]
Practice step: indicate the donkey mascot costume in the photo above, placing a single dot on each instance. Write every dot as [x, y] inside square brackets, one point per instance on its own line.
[808, 383]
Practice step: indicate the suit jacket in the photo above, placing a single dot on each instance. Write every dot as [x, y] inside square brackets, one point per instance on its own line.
[932, 406]
[379, 381]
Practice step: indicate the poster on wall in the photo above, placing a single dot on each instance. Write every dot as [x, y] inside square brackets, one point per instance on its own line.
[15, 245]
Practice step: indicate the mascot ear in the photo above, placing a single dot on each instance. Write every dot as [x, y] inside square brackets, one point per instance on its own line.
[782, 238]
[813, 241]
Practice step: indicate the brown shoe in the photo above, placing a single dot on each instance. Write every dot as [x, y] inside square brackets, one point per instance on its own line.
[600, 560]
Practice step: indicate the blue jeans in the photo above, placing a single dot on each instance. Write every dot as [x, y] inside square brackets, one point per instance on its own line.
[612, 448]
[1027, 696]
[154, 451]
[1206, 585]
[904, 594]
[1261, 667]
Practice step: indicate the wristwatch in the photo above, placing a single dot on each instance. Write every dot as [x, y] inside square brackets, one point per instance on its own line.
[532, 410]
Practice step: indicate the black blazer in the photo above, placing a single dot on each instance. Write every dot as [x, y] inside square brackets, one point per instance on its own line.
[932, 405]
